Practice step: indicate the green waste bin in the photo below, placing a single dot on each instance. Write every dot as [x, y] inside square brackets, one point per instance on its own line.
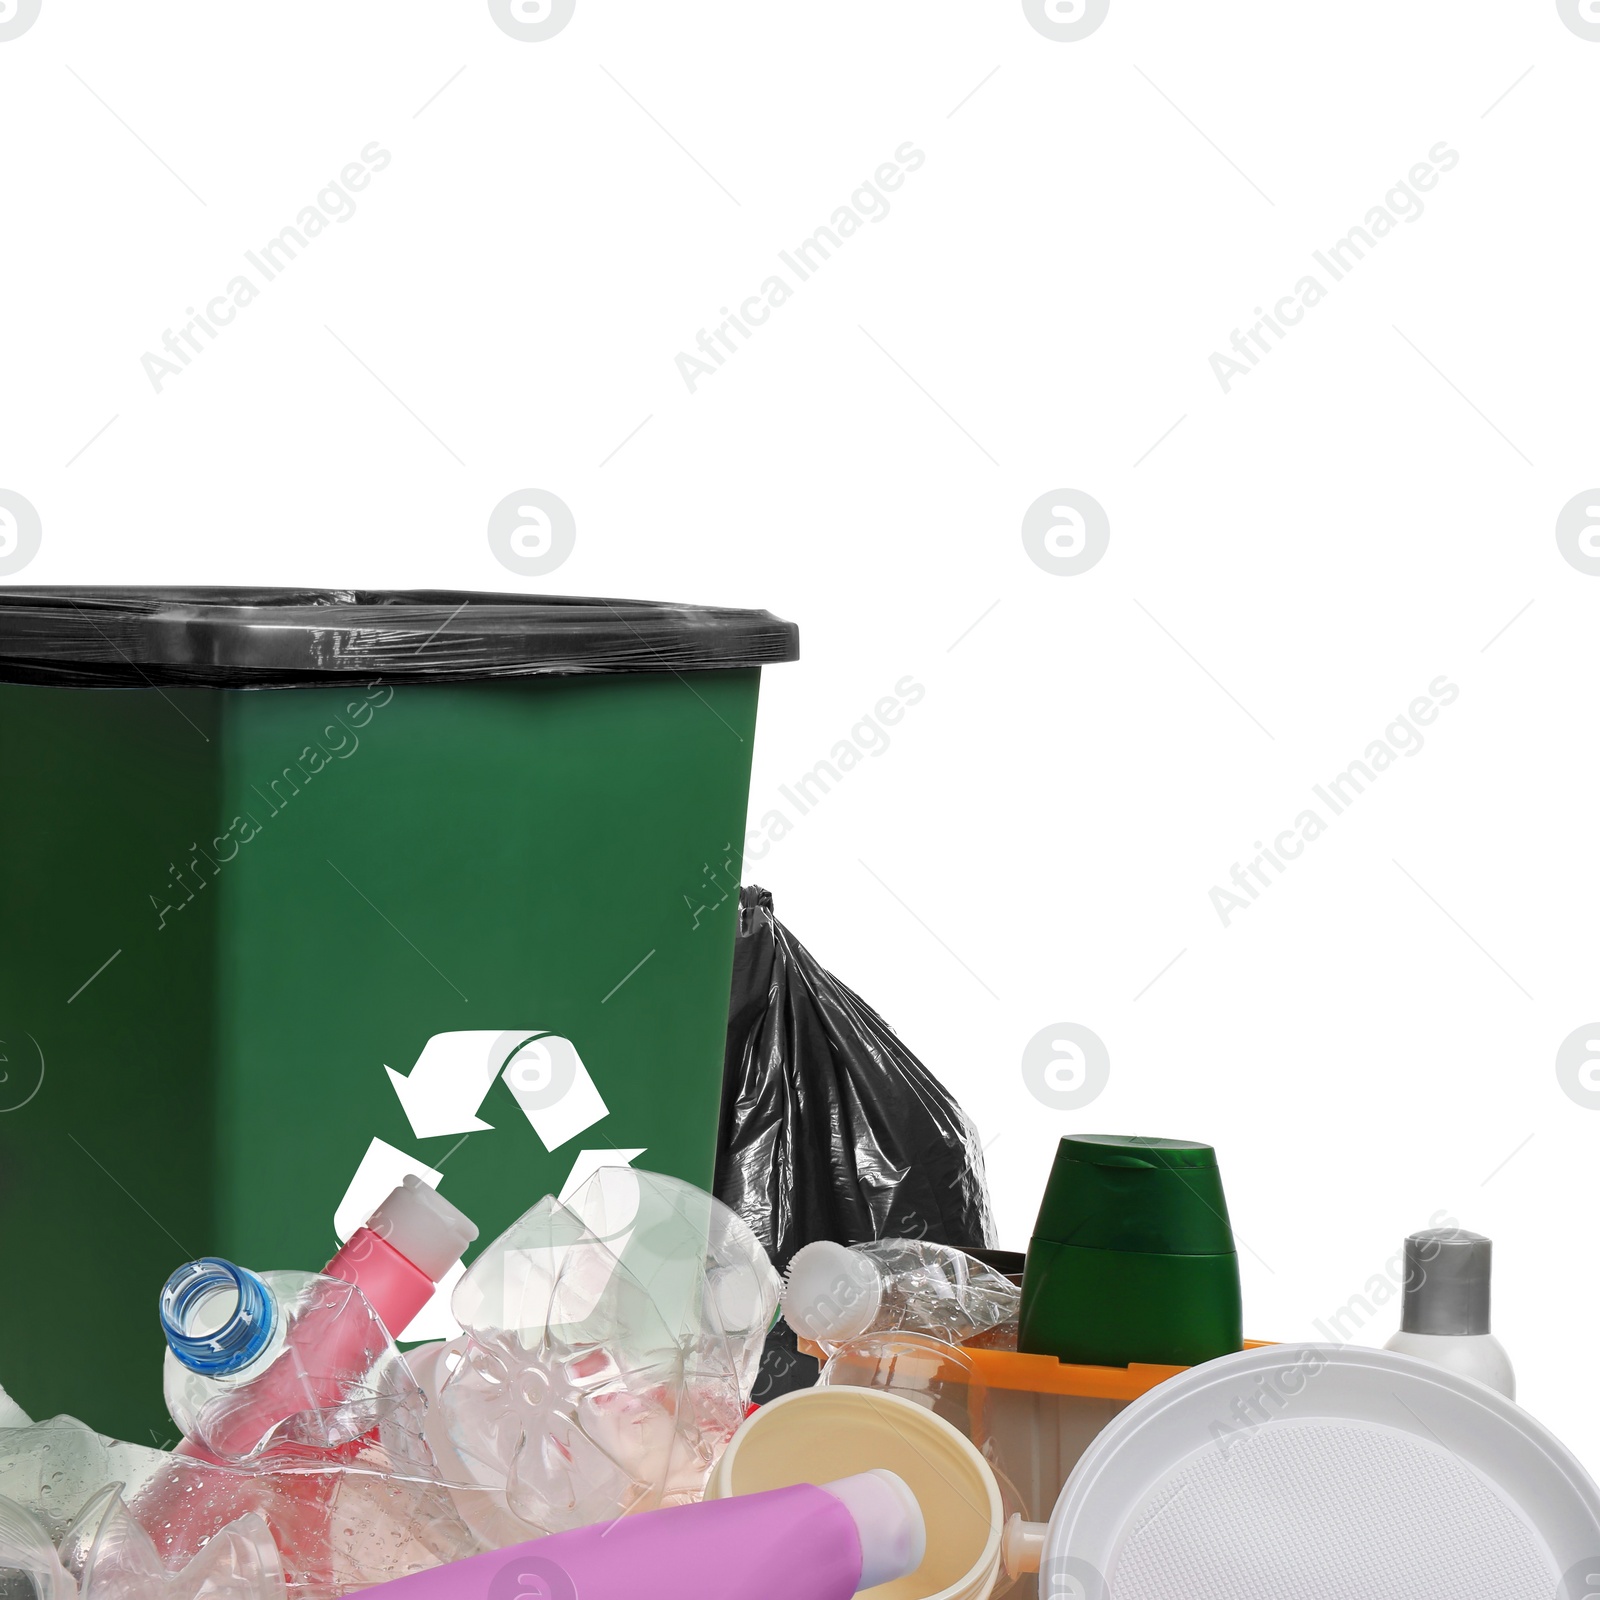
[296, 886]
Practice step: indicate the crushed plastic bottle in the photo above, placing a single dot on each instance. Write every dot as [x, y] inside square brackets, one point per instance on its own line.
[106, 1555]
[29, 1566]
[52, 1468]
[296, 1408]
[611, 1344]
[834, 1293]
[112, 1558]
[379, 1515]
[284, 1372]
[256, 1362]
[226, 1325]
[278, 1360]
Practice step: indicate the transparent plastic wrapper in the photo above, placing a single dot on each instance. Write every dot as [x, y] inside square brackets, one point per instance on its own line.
[833, 1293]
[831, 1128]
[379, 1513]
[611, 1344]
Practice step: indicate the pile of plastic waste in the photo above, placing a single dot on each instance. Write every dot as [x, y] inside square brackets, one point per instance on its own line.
[610, 1345]
[611, 1351]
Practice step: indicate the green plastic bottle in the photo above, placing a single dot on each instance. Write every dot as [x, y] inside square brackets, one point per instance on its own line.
[1132, 1258]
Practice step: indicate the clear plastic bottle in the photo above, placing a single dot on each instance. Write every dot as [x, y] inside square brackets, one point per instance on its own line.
[292, 1359]
[611, 1343]
[111, 1557]
[300, 1358]
[834, 1293]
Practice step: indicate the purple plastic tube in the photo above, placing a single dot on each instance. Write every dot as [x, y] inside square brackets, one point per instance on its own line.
[802, 1543]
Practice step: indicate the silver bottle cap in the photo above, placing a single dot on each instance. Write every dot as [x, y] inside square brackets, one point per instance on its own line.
[1447, 1283]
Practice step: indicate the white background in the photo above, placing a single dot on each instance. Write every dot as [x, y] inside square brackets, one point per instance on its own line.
[1373, 1041]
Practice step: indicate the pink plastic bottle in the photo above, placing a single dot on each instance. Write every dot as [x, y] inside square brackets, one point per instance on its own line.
[802, 1543]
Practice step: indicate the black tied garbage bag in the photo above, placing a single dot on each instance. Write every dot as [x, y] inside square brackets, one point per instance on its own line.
[831, 1128]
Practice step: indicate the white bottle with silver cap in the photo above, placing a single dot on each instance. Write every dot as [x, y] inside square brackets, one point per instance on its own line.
[1447, 1308]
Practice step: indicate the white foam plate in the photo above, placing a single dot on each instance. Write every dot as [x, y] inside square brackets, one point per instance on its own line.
[1322, 1472]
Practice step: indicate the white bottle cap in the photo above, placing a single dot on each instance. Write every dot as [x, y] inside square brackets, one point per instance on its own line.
[830, 1292]
[424, 1227]
[894, 1538]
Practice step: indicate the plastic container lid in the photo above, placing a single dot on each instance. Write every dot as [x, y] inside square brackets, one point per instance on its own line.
[1448, 1283]
[424, 1227]
[281, 638]
[1144, 1196]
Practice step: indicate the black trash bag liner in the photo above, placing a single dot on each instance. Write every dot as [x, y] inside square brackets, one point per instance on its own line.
[289, 638]
[831, 1128]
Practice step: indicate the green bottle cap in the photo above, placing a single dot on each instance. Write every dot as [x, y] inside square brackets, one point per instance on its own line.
[1149, 1196]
